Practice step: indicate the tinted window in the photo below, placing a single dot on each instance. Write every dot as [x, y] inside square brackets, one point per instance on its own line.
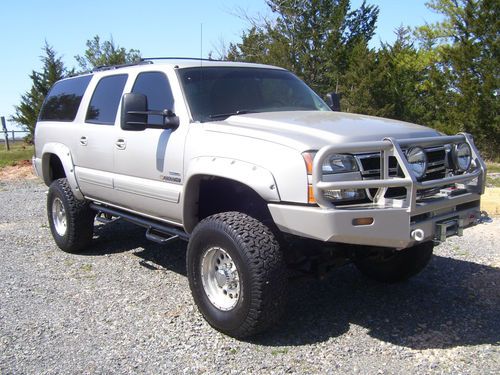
[214, 93]
[157, 89]
[105, 100]
[64, 98]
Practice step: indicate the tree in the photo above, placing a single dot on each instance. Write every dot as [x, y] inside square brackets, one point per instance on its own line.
[105, 53]
[467, 51]
[312, 38]
[26, 113]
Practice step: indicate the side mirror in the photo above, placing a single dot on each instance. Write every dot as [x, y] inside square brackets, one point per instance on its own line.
[134, 112]
[333, 101]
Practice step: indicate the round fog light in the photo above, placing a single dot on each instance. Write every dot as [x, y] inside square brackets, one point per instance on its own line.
[462, 157]
[418, 161]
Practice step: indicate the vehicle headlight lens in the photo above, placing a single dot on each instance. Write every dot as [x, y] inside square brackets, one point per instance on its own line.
[462, 156]
[418, 161]
[339, 164]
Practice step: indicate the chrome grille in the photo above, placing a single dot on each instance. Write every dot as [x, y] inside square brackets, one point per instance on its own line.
[370, 169]
[436, 165]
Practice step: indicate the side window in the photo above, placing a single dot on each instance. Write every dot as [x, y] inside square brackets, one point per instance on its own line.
[64, 99]
[157, 89]
[105, 100]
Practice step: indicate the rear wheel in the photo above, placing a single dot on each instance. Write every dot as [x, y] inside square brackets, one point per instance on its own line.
[389, 265]
[71, 220]
[236, 274]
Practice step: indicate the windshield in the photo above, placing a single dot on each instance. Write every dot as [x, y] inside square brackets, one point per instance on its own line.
[215, 93]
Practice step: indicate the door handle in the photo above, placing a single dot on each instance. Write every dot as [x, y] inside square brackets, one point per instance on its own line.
[121, 144]
[83, 141]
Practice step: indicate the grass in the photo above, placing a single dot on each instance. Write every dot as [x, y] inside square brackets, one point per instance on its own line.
[493, 182]
[493, 167]
[19, 151]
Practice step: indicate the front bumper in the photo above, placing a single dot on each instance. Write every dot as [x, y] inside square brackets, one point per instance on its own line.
[391, 227]
[397, 223]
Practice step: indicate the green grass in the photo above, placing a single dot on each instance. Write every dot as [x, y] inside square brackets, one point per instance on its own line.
[493, 167]
[19, 151]
[493, 182]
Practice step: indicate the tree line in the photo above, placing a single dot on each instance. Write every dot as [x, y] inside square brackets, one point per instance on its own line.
[98, 53]
[443, 75]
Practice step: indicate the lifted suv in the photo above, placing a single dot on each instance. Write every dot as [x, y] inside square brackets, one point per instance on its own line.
[244, 160]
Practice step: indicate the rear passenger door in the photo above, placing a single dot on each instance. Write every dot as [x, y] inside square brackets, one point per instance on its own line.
[96, 139]
[149, 163]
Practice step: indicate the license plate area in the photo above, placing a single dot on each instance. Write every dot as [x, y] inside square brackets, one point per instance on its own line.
[448, 228]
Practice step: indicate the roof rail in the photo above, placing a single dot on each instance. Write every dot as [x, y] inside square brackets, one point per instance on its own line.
[149, 60]
[178, 58]
[111, 67]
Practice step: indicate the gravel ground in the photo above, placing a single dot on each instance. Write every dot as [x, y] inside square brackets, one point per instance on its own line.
[124, 307]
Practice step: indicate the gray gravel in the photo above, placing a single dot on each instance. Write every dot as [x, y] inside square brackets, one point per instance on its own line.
[124, 307]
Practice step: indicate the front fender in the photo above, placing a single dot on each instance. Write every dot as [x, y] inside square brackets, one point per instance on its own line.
[64, 155]
[255, 177]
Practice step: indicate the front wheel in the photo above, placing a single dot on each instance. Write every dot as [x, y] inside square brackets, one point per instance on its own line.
[71, 220]
[236, 274]
[391, 266]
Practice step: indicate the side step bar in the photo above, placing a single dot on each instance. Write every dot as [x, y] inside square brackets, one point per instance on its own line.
[156, 231]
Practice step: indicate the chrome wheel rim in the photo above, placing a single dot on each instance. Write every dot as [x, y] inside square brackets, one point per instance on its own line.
[59, 217]
[220, 278]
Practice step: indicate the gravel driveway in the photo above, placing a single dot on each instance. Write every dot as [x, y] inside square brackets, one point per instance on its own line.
[125, 307]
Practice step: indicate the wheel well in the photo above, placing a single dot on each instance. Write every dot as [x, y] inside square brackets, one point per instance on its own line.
[210, 195]
[55, 168]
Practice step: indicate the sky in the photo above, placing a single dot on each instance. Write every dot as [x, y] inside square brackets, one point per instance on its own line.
[155, 27]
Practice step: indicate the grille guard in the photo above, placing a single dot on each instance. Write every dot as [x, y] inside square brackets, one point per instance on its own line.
[392, 147]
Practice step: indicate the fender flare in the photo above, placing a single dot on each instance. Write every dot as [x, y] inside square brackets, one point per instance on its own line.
[255, 177]
[64, 154]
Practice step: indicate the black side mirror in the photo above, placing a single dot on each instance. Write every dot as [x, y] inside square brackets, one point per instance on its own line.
[134, 115]
[134, 112]
[333, 101]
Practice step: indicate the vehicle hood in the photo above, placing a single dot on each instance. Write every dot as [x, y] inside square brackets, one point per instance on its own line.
[311, 130]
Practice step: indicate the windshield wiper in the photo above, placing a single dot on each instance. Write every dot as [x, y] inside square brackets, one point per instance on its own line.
[239, 112]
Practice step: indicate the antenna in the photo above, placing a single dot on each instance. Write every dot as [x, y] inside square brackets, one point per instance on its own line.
[201, 44]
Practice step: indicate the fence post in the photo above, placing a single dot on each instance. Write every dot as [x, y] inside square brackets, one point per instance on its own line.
[4, 126]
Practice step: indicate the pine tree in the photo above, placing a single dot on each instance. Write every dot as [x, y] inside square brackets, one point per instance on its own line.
[467, 47]
[26, 113]
[105, 53]
[312, 38]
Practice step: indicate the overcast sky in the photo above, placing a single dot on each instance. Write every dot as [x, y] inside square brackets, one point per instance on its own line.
[155, 27]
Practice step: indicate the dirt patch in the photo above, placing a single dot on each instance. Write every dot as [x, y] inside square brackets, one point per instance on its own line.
[21, 171]
[490, 201]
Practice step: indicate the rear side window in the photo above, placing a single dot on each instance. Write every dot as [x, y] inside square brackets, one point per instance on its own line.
[64, 98]
[105, 100]
[157, 89]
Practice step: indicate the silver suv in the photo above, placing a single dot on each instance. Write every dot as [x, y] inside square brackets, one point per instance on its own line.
[256, 171]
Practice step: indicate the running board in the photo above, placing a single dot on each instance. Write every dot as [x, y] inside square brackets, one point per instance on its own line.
[156, 231]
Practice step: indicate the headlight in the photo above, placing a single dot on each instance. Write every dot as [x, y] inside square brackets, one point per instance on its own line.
[339, 164]
[418, 161]
[462, 156]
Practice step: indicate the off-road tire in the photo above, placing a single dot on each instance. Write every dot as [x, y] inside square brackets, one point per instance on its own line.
[391, 266]
[262, 273]
[79, 218]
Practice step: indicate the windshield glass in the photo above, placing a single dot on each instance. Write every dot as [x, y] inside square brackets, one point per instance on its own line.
[215, 93]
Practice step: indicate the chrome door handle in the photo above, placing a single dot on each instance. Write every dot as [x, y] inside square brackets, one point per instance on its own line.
[120, 144]
[83, 141]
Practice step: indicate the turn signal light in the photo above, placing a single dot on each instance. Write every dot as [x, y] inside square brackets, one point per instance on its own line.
[310, 195]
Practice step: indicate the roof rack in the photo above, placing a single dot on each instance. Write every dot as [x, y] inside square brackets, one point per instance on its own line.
[149, 60]
[178, 58]
[111, 67]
